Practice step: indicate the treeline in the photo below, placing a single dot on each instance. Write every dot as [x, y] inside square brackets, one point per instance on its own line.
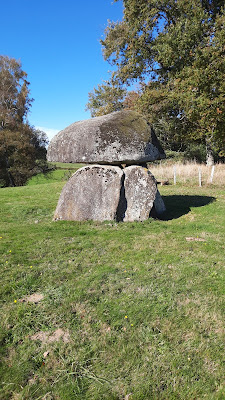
[175, 53]
[22, 147]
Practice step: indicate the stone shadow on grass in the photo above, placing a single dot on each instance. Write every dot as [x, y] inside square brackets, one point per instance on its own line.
[178, 205]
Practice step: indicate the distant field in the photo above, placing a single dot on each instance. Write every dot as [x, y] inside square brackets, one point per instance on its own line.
[188, 173]
[67, 165]
[62, 172]
[115, 311]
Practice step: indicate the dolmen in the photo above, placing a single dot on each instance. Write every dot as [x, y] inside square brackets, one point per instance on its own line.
[116, 183]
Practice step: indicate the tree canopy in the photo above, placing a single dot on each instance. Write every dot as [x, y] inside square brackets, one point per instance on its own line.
[175, 49]
[14, 93]
[22, 147]
[106, 98]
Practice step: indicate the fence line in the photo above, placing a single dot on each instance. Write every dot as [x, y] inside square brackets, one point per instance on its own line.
[174, 175]
[194, 174]
[199, 177]
[212, 173]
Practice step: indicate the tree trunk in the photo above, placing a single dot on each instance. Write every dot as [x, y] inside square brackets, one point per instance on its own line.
[209, 153]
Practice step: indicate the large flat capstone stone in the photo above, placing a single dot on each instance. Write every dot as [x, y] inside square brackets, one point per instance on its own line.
[122, 137]
[92, 193]
[103, 192]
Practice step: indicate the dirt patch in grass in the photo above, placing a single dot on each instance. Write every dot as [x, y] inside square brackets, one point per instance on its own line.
[105, 329]
[194, 239]
[33, 298]
[47, 337]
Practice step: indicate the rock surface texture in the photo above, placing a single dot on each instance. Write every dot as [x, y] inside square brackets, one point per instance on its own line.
[92, 193]
[116, 138]
[103, 190]
[140, 189]
[159, 204]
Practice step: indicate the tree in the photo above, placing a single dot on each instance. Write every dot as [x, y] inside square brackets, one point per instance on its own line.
[14, 93]
[175, 49]
[106, 98]
[22, 148]
[22, 155]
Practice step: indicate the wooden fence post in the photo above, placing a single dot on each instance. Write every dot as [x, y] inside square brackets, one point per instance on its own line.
[174, 175]
[212, 173]
[200, 177]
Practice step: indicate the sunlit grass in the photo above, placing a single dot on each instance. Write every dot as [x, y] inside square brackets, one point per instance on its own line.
[127, 310]
[62, 173]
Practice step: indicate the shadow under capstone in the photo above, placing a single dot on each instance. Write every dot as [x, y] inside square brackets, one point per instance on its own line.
[178, 205]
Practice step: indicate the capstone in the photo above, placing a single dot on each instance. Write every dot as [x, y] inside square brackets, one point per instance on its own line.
[122, 137]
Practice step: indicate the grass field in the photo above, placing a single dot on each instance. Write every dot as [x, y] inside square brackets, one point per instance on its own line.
[62, 173]
[116, 311]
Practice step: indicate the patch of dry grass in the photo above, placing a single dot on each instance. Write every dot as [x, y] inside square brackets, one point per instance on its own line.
[188, 173]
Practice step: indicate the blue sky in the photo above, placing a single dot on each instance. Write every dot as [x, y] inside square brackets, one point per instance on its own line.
[58, 45]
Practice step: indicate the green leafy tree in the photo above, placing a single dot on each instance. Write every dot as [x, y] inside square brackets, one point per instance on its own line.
[22, 148]
[106, 98]
[175, 49]
[22, 155]
[14, 93]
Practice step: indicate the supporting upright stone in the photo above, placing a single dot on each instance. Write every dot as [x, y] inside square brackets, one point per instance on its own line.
[140, 190]
[103, 191]
[92, 193]
[159, 205]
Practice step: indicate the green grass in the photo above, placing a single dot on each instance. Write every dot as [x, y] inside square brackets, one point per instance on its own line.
[62, 173]
[143, 306]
